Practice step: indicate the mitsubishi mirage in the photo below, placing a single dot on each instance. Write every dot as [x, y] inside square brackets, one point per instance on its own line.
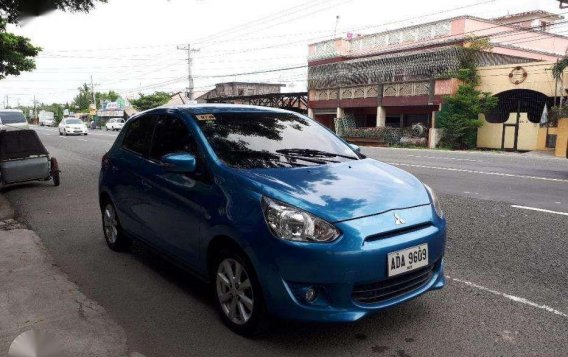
[282, 217]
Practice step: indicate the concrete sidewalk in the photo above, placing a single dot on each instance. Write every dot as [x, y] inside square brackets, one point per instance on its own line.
[35, 294]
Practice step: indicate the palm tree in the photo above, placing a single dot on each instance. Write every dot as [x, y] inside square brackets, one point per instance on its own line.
[558, 74]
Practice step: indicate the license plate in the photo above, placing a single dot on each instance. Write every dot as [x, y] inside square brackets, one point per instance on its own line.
[407, 260]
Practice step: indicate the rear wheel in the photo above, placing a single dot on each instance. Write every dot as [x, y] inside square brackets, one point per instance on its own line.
[55, 171]
[238, 294]
[114, 237]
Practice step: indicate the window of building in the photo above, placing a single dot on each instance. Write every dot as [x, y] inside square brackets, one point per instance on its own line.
[392, 121]
[241, 92]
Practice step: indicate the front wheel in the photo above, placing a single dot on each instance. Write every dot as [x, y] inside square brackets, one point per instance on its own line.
[238, 294]
[116, 240]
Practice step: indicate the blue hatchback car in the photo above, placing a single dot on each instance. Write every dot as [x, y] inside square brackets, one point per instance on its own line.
[281, 216]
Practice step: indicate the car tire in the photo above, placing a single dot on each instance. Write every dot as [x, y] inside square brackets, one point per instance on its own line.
[60, 132]
[55, 172]
[239, 299]
[114, 237]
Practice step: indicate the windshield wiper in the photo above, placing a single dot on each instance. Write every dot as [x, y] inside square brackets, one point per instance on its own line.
[313, 153]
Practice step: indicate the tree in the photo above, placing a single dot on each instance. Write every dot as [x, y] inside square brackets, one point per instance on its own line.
[16, 53]
[459, 116]
[111, 96]
[84, 98]
[13, 10]
[150, 101]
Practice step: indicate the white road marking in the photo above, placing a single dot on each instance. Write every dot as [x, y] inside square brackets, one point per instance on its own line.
[540, 210]
[510, 297]
[480, 172]
[441, 157]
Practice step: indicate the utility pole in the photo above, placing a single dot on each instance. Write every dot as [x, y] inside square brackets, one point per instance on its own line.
[93, 91]
[189, 64]
[336, 26]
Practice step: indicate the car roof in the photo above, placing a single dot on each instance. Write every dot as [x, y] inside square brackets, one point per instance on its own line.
[224, 108]
[11, 111]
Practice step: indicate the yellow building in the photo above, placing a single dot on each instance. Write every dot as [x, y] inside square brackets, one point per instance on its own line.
[524, 92]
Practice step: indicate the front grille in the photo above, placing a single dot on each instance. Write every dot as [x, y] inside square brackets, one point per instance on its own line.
[397, 232]
[376, 292]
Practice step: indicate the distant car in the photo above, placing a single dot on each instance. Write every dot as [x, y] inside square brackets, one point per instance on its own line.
[72, 126]
[46, 118]
[281, 216]
[47, 122]
[13, 119]
[115, 124]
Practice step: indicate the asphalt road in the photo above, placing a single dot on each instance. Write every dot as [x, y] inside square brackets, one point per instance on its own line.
[507, 291]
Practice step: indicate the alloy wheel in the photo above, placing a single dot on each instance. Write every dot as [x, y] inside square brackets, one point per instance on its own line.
[110, 224]
[234, 291]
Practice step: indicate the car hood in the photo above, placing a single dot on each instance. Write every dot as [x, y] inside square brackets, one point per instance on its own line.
[342, 191]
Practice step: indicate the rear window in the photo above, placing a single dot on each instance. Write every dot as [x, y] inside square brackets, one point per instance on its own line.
[73, 121]
[12, 117]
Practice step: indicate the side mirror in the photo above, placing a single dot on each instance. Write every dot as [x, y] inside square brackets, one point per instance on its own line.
[355, 148]
[179, 162]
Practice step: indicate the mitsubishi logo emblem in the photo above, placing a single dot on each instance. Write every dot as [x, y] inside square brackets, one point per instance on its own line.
[398, 220]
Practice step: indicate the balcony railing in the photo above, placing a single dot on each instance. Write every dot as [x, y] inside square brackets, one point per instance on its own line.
[375, 43]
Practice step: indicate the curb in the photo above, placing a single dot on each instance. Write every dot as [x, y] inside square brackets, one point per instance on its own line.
[6, 210]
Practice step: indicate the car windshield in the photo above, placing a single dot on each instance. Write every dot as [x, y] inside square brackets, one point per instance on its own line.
[73, 121]
[12, 117]
[270, 140]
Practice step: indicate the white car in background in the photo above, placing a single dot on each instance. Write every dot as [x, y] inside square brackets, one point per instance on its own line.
[46, 118]
[13, 119]
[114, 124]
[72, 126]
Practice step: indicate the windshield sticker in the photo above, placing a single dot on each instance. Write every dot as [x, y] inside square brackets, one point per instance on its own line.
[205, 117]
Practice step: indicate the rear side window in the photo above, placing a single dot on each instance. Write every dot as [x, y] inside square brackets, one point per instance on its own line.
[139, 134]
[12, 117]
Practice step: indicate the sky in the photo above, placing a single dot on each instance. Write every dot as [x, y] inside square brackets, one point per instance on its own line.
[131, 46]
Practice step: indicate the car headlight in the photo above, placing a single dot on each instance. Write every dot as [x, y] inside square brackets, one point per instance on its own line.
[289, 223]
[435, 201]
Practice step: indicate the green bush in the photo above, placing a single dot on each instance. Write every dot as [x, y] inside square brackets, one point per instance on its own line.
[459, 116]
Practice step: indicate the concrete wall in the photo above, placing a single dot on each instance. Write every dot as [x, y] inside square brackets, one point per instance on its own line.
[495, 79]
[528, 134]
[490, 135]
[562, 138]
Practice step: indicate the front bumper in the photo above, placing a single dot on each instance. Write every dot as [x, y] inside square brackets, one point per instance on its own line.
[358, 258]
[75, 131]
